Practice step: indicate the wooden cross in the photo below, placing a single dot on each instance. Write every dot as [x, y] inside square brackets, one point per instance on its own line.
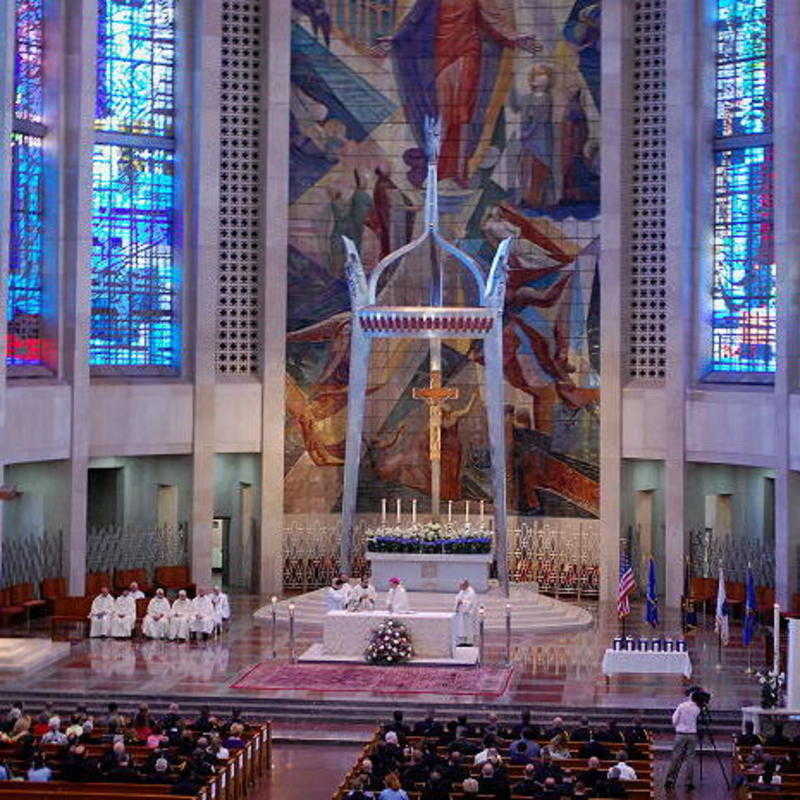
[435, 395]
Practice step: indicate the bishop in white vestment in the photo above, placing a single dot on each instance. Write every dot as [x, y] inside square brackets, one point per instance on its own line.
[100, 613]
[336, 596]
[397, 598]
[465, 608]
[124, 616]
[179, 617]
[202, 615]
[362, 596]
[156, 621]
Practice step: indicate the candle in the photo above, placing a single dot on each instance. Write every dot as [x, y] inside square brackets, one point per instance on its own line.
[481, 510]
[291, 609]
[776, 637]
[273, 600]
[397, 506]
[449, 510]
[383, 511]
[414, 511]
[466, 511]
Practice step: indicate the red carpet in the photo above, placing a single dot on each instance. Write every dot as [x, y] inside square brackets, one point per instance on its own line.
[483, 681]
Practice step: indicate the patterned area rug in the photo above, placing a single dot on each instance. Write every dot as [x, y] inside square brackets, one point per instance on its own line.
[479, 681]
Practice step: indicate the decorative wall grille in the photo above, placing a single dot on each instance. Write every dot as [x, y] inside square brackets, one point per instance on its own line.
[110, 547]
[648, 308]
[240, 191]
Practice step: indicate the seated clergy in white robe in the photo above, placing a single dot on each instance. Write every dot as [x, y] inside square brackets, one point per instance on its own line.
[466, 606]
[155, 624]
[362, 596]
[100, 613]
[222, 608]
[397, 598]
[135, 592]
[202, 614]
[336, 596]
[179, 616]
[124, 616]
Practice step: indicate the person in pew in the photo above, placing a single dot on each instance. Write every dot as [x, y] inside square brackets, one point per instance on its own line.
[592, 774]
[581, 790]
[428, 726]
[778, 738]
[528, 786]
[372, 780]
[359, 790]
[583, 732]
[557, 747]
[159, 773]
[76, 766]
[525, 724]
[430, 754]
[11, 716]
[414, 772]
[436, 788]
[594, 748]
[518, 753]
[637, 732]
[489, 746]
[547, 768]
[749, 738]
[612, 733]
[527, 737]
[75, 727]
[556, 727]
[101, 614]
[155, 624]
[135, 592]
[398, 726]
[172, 719]
[20, 730]
[54, 734]
[205, 722]
[186, 742]
[123, 617]
[109, 760]
[188, 783]
[453, 771]
[235, 738]
[124, 772]
[463, 728]
[470, 788]
[39, 772]
[494, 727]
[156, 739]
[551, 790]
[626, 772]
[42, 722]
[392, 790]
[143, 722]
[5, 772]
[449, 735]
[610, 786]
[492, 784]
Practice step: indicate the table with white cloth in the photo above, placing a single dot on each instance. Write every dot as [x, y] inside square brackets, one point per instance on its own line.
[616, 662]
[347, 633]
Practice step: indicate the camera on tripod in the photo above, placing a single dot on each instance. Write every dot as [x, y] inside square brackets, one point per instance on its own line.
[700, 697]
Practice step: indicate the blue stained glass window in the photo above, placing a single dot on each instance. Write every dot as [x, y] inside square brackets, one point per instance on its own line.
[25, 345]
[135, 66]
[28, 60]
[134, 285]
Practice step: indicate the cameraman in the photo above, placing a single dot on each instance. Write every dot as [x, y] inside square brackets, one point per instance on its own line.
[684, 719]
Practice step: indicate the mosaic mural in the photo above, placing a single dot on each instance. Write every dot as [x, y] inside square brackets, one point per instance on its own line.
[516, 84]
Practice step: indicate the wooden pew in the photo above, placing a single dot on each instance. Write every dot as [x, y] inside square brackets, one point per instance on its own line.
[73, 611]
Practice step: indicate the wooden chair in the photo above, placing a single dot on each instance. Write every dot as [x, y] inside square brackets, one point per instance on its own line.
[95, 581]
[9, 611]
[123, 578]
[765, 599]
[175, 578]
[72, 611]
[52, 588]
[24, 594]
[735, 595]
[702, 591]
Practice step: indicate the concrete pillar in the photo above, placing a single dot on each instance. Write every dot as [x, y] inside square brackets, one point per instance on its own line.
[78, 65]
[786, 77]
[681, 58]
[793, 665]
[614, 213]
[276, 33]
[198, 158]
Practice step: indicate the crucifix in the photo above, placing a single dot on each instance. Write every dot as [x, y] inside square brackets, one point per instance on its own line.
[435, 395]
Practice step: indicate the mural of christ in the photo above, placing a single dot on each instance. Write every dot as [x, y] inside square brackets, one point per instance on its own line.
[452, 60]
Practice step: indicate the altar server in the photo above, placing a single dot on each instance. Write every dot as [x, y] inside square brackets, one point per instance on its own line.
[336, 596]
[397, 597]
[100, 613]
[179, 617]
[124, 616]
[135, 592]
[222, 608]
[202, 615]
[363, 596]
[346, 587]
[466, 606]
[156, 621]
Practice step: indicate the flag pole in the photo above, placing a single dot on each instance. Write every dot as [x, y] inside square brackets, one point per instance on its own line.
[719, 648]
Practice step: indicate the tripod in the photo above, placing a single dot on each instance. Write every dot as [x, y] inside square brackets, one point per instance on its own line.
[704, 731]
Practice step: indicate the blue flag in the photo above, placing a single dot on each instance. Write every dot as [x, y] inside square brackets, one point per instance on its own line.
[750, 609]
[651, 609]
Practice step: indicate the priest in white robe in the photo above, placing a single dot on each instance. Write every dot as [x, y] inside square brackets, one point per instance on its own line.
[179, 617]
[202, 615]
[100, 613]
[362, 596]
[135, 592]
[123, 617]
[336, 596]
[397, 598]
[347, 588]
[222, 608]
[156, 621]
[466, 607]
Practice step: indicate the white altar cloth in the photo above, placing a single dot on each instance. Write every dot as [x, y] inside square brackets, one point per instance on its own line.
[619, 661]
[346, 633]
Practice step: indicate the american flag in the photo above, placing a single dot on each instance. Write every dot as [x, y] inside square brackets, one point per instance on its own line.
[626, 585]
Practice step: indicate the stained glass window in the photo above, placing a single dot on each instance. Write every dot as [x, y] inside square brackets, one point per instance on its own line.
[743, 294]
[135, 66]
[135, 282]
[28, 61]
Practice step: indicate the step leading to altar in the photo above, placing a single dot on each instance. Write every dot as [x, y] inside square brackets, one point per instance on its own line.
[431, 572]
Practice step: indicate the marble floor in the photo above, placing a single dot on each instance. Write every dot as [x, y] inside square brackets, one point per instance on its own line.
[549, 669]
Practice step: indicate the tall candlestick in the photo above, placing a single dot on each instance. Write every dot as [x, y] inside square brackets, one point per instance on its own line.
[449, 510]
[481, 507]
[397, 506]
[466, 511]
[414, 511]
[776, 637]
[383, 511]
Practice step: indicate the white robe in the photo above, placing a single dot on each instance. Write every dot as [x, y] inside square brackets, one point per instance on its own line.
[362, 598]
[100, 615]
[137, 595]
[179, 619]
[155, 624]
[124, 617]
[335, 599]
[465, 607]
[397, 600]
[202, 617]
[222, 608]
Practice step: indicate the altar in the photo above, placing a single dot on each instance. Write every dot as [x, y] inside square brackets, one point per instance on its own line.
[432, 572]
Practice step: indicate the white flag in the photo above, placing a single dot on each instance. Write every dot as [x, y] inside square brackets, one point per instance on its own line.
[721, 623]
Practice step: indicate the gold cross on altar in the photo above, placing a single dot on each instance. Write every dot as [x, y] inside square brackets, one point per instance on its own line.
[435, 395]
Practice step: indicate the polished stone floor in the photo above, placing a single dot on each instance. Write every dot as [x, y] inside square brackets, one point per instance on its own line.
[549, 669]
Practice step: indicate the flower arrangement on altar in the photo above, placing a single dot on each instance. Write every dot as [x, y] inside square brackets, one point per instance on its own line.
[772, 684]
[431, 537]
[389, 644]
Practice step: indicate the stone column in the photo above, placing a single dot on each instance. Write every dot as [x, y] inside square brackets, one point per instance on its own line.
[614, 213]
[198, 195]
[786, 77]
[276, 32]
[78, 65]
